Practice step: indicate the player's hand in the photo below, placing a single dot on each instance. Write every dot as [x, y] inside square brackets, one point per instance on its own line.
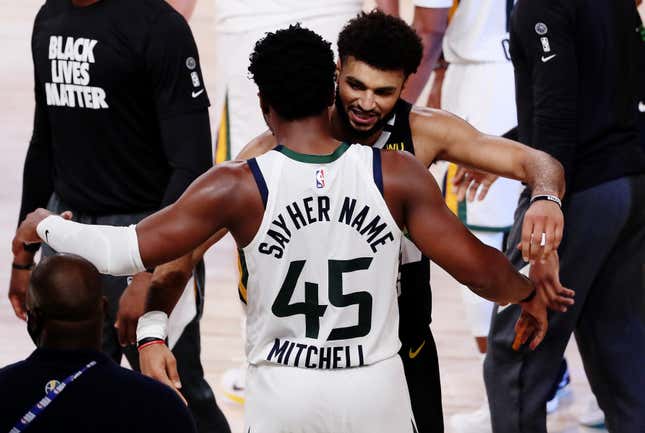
[546, 277]
[541, 231]
[174, 274]
[158, 362]
[27, 234]
[468, 182]
[132, 306]
[532, 324]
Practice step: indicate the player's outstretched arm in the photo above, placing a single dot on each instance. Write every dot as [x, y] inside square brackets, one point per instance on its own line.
[442, 237]
[207, 206]
[170, 279]
[441, 135]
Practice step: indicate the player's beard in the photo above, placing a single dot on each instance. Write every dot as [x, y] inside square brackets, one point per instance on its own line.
[358, 134]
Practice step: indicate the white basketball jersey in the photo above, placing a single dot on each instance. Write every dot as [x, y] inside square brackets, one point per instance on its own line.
[478, 32]
[244, 15]
[320, 274]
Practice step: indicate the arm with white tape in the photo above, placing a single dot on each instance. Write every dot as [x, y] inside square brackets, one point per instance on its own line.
[113, 250]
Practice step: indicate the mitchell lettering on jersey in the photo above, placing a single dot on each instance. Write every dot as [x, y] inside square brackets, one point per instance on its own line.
[70, 74]
[307, 356]
[316, 210]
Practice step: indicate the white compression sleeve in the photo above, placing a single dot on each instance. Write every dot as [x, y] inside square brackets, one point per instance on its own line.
[113, 250]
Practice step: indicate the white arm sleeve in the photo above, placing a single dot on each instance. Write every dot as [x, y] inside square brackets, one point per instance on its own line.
[113, 250]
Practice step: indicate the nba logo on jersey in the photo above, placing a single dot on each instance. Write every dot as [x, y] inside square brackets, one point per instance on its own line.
[320, 178]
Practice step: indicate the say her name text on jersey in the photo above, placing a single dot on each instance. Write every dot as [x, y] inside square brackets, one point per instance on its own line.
[317, 210]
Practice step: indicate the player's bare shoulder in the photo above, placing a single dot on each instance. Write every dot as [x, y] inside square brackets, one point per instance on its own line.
[231, 179]
[258, 146]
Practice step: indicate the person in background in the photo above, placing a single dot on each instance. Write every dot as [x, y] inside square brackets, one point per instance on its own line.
[67, 383]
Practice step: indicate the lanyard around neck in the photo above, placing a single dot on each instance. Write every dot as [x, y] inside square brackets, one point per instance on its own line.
[39, 407]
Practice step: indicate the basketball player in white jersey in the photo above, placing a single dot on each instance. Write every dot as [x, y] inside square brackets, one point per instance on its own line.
[378, 52]
[238, 25]
[320, 225]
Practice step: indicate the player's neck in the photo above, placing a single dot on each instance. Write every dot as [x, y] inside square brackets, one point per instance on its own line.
[311, 135]
[84, 3]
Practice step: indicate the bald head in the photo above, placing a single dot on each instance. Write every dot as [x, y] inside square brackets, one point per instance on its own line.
[67, 288]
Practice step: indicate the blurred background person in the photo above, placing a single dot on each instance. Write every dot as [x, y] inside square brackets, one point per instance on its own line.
[121, 128]
[577, 84]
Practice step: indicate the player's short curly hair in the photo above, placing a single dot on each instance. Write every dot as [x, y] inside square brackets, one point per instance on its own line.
[295, 72]
[382, 41]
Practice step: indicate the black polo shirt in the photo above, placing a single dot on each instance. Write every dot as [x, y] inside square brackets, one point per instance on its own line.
[106, 398]
[577, 85]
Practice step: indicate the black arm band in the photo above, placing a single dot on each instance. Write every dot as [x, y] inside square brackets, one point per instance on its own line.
[554, 198]
[148, 340]
[28, 267]
[530, 297]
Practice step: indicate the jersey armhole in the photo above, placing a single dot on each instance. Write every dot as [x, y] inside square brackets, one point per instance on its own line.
[377, 169]
[259, 180]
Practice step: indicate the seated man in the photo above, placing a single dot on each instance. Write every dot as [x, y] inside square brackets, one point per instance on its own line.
[67, 384]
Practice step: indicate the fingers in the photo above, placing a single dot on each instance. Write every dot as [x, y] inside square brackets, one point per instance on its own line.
[459, 176]
[472, 190]
[462, 188]
[483, 191]
[67, 215]
[549, 244]
[538, 241]
[171, 370]
[127, 330]
[539, 334]
[521, 332]
[525, 244]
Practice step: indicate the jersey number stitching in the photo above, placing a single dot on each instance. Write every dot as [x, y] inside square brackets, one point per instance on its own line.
[314, 311]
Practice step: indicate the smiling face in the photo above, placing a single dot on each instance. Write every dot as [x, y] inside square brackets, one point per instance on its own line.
[366, 95]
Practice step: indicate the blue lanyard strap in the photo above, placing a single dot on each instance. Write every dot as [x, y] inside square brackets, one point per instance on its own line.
[39, 407]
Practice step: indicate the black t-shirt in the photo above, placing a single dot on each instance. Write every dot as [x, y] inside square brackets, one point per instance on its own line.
[106, 398]
[577, 84]
[415, 297]
[106, 78]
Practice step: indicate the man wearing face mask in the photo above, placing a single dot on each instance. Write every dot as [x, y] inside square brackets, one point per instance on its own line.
[67, 384]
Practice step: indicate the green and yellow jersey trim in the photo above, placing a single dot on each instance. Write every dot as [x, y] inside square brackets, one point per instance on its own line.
[223, 144]
[244, 276]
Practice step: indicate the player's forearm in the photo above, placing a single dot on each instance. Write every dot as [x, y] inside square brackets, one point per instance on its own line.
[112, 250]
[543, 174]
[168, 283]
[497, 280]
[430, 24]
[37, 182]
[186, 140]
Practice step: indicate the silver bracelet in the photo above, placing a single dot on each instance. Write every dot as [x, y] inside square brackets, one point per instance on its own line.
[549, 197]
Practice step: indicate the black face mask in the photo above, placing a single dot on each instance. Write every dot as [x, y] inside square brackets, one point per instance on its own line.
[359, 135]
[34, 326]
